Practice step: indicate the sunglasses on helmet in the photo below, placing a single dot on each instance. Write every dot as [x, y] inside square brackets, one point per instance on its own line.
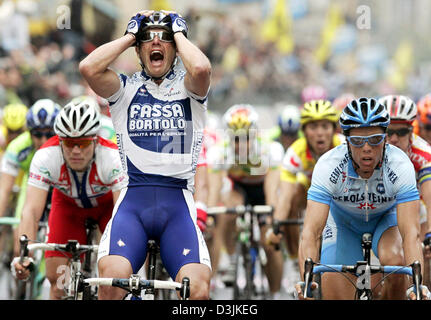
[399, 132]
[39, 134]
[164, 36]
[373, 140]
[82, 143]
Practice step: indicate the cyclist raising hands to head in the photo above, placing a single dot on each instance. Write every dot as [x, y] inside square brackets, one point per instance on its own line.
[159, 116]
[364, 186]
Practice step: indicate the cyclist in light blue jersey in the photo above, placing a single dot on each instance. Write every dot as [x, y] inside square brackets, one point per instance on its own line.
[159, 116]
[364, 185]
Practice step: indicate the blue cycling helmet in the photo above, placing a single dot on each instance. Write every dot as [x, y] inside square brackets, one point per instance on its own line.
[42, 114]
[364, 112]
[289, 120]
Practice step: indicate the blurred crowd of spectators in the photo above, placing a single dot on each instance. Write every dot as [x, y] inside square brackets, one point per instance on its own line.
[245, 68]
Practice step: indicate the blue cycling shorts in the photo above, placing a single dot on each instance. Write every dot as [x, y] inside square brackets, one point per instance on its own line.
[342, 236]
[166, 215]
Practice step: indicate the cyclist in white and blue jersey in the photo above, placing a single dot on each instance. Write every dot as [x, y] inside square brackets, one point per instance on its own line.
[364, 185]
[159, 116]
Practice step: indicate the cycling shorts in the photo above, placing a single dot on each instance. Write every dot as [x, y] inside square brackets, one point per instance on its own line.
[164, 214]
[253, 193]
[67, 221]
[342, 236]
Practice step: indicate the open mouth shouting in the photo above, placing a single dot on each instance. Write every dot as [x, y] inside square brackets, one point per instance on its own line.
[156, 58]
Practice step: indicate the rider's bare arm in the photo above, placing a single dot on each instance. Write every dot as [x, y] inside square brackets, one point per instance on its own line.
[198, 66]
[316, 215]
[285, 197]
[425, 190]
[408, 224]
[271, 183]
[32, 212]
[6, 185]
[95, 67]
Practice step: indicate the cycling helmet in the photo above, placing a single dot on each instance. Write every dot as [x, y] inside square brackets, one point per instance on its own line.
[424, 109]
[14, 116]
[241, 118]
[400, 108]
[364, 112]
[157, 19]
[87, 99]
[318, 110]
[343, 100]
[313, 93]
[42, 114]
[289, 119]
[77, 120]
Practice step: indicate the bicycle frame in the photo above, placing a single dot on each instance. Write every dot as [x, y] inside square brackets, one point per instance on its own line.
[248, 243]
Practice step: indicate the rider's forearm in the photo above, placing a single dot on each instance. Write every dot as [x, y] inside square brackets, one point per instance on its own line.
[282, 209]
[412, 247]
[308, 248]
[29, 223]
[194, 60]
[6, 185]
[101, 58]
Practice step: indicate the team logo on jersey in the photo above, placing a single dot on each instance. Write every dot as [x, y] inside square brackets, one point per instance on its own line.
[366, 206]
[156, 117]
[380, 188]
[142, 92]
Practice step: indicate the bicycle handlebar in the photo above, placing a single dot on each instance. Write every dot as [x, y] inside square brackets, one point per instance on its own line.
[136, 284]
[413, 270]
[129, 284]
[241, 209]
[67, 247]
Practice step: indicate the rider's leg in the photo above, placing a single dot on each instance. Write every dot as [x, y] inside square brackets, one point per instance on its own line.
[58, 274]
[293, 231]
[390, 252]
[113, 267]
[200, 276]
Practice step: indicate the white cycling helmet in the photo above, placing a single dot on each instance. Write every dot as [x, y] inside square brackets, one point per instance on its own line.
[401, 108]
[77, 120]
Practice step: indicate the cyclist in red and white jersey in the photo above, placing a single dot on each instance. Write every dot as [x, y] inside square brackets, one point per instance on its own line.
[85, 171]
[422, 125]
[403, 112]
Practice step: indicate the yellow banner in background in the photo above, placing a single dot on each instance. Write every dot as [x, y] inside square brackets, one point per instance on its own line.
[334, 19]
[277, 28]
[403, 61]
[160, 5]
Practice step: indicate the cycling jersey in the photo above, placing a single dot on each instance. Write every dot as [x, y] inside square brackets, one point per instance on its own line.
[103, 175]
[159, 129]
[420, 154]
[298, 163]
[249, 169]
[159, 133]
[107, 128]
[18, 154]
[359, 205]
[77, 195]
[16, 162]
